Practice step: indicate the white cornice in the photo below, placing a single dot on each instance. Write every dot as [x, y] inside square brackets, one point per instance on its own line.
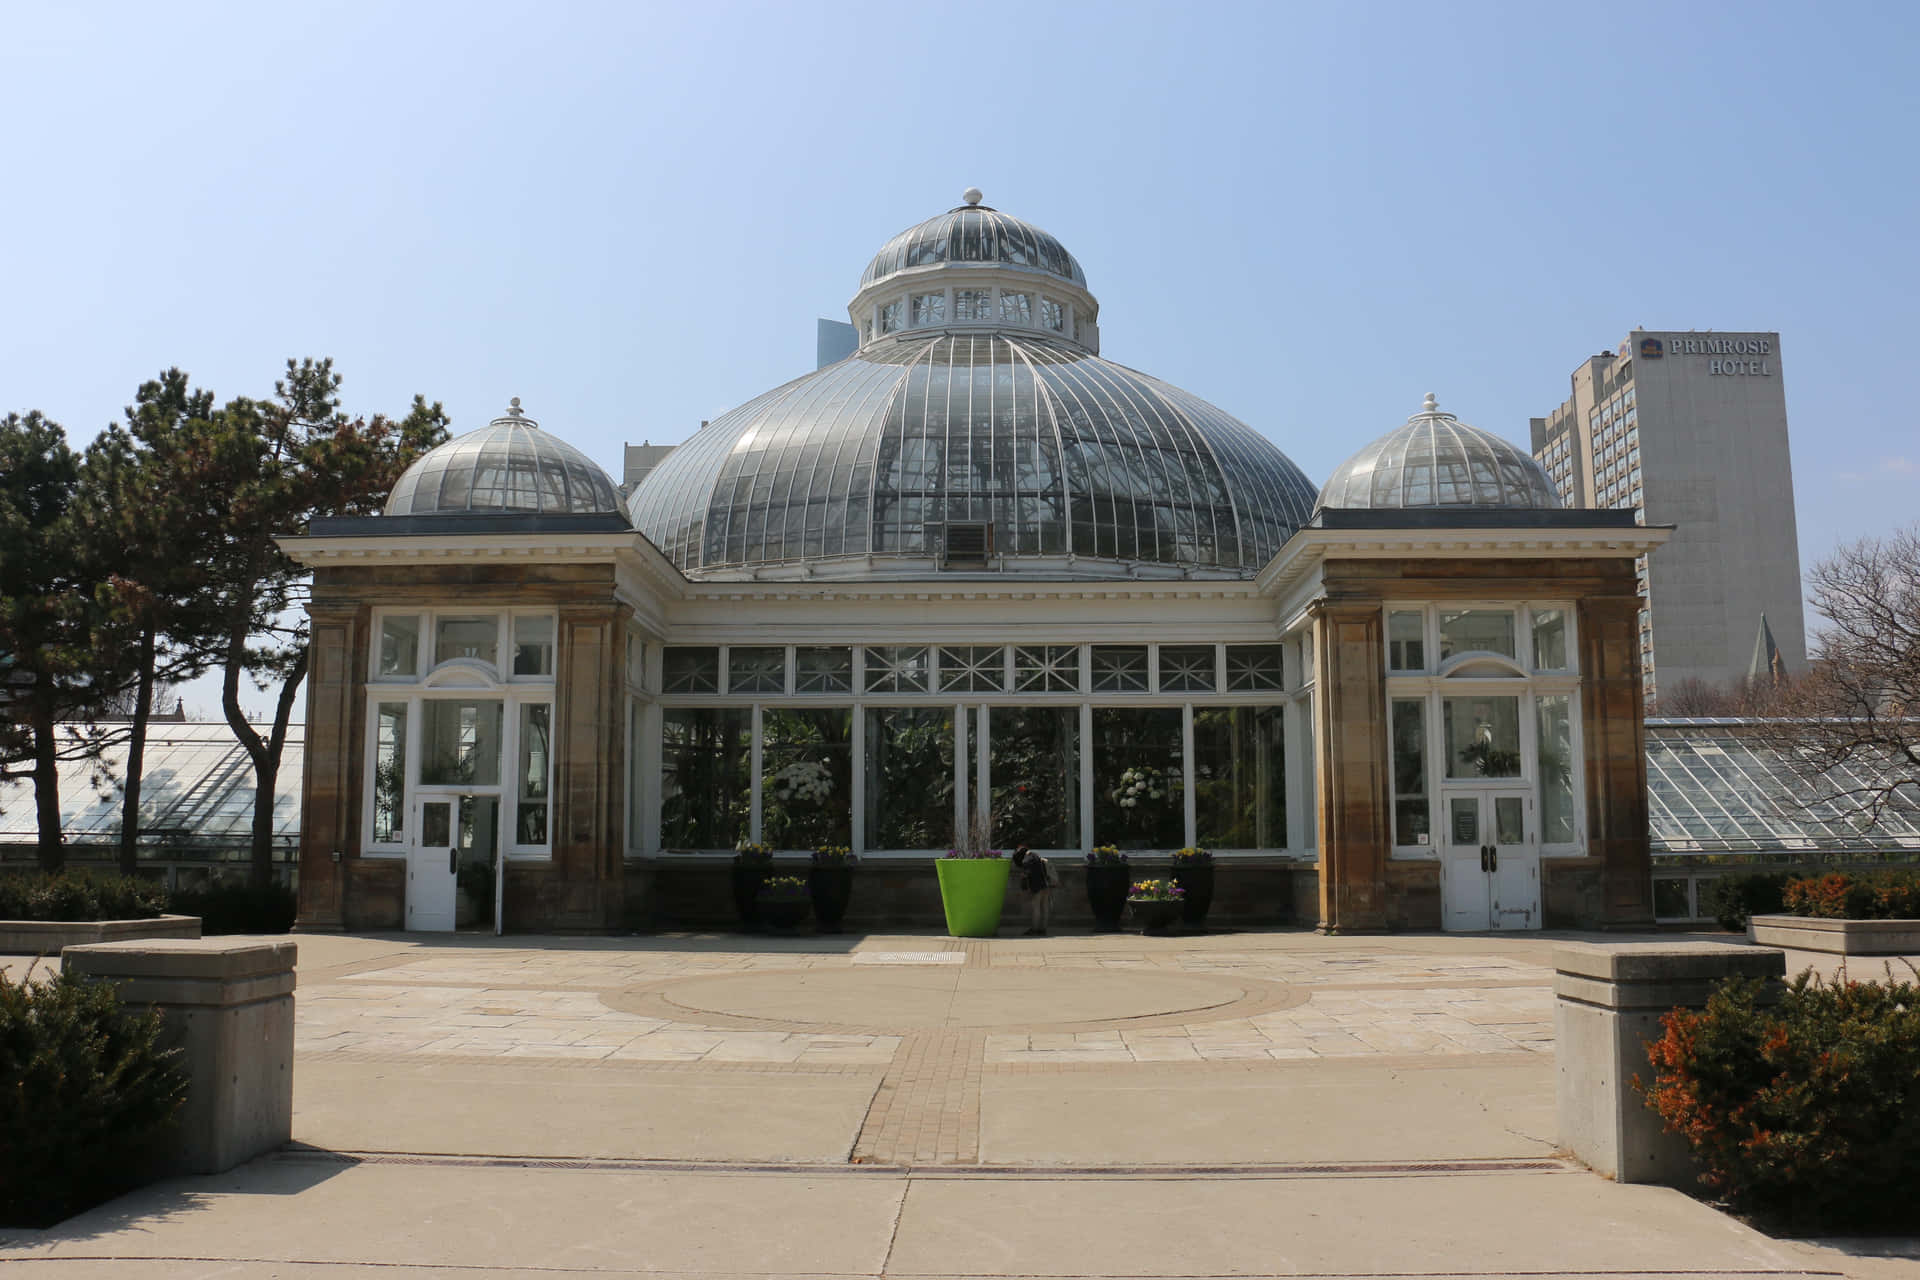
[1308, 548]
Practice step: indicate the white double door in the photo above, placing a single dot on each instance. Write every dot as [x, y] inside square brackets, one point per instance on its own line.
[1489, 862]
[450, 830]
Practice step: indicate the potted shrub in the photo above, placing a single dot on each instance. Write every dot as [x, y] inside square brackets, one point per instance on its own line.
[1107, 879]
[830, 882]
[782, 902]
[752, 864]
[1193, 872]
[1156, 904]
[973, 890]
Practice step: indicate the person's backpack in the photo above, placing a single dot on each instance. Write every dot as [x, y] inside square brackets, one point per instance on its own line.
[1039, 873]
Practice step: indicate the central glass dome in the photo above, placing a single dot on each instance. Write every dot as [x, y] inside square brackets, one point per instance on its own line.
[991, 446]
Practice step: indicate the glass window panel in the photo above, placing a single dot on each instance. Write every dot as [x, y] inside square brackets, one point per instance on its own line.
[390, 773]
[1556, 771]
[436, 824]
[1046, 668]
[1477, 631]
[909, 785]
[533, 645]
[1137, 775]
[1035, 772]
[1120, 668]
[899, 669]
[1256, 666]
[806, 782]
[534, 773]
[1410, 813]
[973, 304]
[705, 783]
[929, 308]
[1406, 640]
[757, 669]
[1509, 820]
[400, 645]
[1016, 308]
[1187, 668]
[1240, 778]
[1483, 736]
[977, 668]
[460, 742]
[1053, 315]
[689, 669]
[1550, 639]
[822, 670]
[892, 316]
[1670, 898]
[477, 637]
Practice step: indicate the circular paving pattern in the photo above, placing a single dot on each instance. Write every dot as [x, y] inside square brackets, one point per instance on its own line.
[885, 1001]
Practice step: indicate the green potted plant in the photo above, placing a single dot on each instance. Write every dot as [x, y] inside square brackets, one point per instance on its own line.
[1156, 904]
[973, 890]
[1193, 872]
[830, 882]
[1108, 876]
[782, 902]
[752, 864]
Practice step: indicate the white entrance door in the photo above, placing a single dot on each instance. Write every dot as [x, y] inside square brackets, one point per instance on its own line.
[432, 868]
[1490, 865]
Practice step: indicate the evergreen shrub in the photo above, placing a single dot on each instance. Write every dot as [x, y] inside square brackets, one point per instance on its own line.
[1807, 1113]
[78, 895]
[86, 1092]
[1733, 900]
[233, 906]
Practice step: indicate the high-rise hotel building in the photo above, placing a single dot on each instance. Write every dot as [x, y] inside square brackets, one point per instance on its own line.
[1690, 429]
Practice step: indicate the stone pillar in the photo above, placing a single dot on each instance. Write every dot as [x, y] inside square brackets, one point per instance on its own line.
[228, 1005]
[589, 772]
[1614, 731]
[330, 784]
[1350, 752]
[1609, 1000]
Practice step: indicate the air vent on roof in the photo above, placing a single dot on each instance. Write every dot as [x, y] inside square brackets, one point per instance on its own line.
[969, 543]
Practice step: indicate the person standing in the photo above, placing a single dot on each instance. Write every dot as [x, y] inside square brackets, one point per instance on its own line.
[1039, 879]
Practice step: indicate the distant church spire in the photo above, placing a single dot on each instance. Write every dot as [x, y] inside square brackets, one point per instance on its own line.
[1766, 663]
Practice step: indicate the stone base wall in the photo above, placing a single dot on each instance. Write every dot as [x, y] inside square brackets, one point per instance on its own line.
[1837, 937]
[698, 894]
[376, 894]
[1573, 893]
[48, 937]
[1413, 896]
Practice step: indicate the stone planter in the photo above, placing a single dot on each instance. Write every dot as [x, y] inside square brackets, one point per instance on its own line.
[47, 937]
[1837, 937]
[831, 888]
[1197, 882]
[1107, 885]
[1156, 916]
[782, 912]
[973, 892]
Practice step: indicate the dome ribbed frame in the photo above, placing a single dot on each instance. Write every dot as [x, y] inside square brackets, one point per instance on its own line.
[507, 466]
[1068, 455]
[974, 233]
[1436, 460]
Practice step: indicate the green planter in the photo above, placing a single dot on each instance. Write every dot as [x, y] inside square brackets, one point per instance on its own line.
[973, 890]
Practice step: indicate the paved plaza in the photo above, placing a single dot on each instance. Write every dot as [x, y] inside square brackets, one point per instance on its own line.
[1271, 1103]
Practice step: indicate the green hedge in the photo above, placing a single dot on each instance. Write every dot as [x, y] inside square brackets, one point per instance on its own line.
[1871, 895]
[85, 1094]
[1806, 1113]
[232, 907]
[1733, 900]
[78, 895]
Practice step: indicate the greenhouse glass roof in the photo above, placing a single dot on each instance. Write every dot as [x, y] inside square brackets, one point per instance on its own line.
[1713, 788]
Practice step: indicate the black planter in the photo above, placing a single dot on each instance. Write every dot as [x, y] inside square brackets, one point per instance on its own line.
[1107, 887]
[1197, 883]
[747, 878]
[1156, 917]
[782, 912]
[830, 887]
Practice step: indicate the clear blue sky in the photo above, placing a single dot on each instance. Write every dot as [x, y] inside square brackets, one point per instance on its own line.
[630, 215]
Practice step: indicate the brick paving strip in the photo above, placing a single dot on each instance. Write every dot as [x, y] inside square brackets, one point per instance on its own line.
[927, 1108]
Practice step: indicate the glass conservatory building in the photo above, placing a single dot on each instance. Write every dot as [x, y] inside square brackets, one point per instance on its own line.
[977, 584]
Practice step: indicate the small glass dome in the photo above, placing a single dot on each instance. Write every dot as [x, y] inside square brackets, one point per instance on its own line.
[1436, 460]
[509, 465]
[973, 232]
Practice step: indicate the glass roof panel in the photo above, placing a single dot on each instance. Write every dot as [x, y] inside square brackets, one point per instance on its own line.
[1436, 460]
[509, 465]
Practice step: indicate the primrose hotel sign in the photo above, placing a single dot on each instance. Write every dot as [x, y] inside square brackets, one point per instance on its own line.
[1732, 357]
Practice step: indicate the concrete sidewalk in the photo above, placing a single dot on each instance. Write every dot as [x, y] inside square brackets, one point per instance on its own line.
[1268, 1104]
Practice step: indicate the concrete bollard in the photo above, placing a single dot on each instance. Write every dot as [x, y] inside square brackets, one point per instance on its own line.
[228, 1004]
[1608, 1003]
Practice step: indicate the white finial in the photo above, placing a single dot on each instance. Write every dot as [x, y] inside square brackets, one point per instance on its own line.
[972, 195]
[1430, 405]
[513, 407]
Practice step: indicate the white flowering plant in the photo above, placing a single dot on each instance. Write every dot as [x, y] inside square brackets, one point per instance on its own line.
[1140, 784]
[803, 782]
